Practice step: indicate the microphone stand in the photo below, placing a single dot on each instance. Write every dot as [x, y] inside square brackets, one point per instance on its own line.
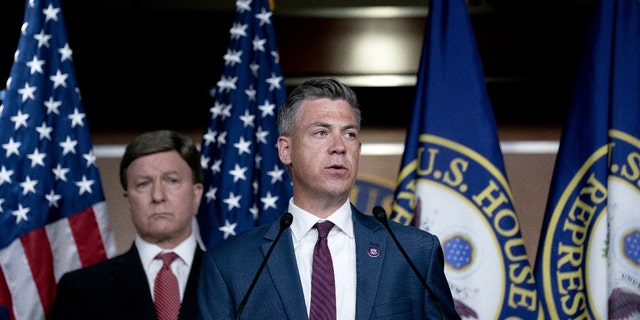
[285, 222]
[380, 214]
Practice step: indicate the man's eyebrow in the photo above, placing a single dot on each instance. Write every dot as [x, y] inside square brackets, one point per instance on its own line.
[351, 126]
[321, 124]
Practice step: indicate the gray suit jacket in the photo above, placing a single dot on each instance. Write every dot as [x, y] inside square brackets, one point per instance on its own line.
[387, 287]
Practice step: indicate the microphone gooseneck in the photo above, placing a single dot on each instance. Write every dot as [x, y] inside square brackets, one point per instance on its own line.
[285, 221]
[381, 215]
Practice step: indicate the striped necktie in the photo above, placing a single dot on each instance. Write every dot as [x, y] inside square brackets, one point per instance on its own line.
[165, 290]
[323, 289]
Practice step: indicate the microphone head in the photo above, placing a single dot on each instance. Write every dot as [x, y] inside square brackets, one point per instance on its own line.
[380, 214]
[286, 220]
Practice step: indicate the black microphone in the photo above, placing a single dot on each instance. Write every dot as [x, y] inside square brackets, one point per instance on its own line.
[380, 214]
[285, 222]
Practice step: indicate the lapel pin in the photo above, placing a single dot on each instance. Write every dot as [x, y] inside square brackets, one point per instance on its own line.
[373, 251]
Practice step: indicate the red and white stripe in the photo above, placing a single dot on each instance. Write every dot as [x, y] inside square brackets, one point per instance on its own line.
[31, 266]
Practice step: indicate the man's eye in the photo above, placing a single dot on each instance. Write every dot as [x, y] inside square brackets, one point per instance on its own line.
[142, 184]
[352, 134]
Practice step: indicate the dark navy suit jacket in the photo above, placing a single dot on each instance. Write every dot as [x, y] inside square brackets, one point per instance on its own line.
[117, 289]
[387, 287]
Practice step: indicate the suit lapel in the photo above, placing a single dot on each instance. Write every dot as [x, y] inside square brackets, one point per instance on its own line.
[370, 255]
[190, 299]
[129, 272]
[283, 269]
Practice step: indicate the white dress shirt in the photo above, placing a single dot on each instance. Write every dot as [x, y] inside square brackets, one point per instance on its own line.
[343, 253]
[180, 267]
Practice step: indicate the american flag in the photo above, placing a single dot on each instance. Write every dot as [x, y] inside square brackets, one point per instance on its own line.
[53, 215]
[245, 183]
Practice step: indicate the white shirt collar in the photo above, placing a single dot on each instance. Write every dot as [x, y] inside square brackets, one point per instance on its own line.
[148, 251]
[303, 220]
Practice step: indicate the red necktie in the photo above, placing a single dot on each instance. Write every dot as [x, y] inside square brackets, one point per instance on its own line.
[323, 289]
[165, 290]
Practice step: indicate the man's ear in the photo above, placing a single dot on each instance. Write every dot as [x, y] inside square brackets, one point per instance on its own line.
[284, 150]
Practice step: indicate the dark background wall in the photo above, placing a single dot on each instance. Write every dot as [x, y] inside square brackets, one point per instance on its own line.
[161, 58]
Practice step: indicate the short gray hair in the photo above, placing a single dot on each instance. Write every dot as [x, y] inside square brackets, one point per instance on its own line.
[312, 90]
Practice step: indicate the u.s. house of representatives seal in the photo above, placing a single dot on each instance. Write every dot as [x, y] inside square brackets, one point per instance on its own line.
[459, 195]
[591, 263]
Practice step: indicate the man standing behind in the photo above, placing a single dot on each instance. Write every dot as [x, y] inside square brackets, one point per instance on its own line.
[365, 276]
[162, 180]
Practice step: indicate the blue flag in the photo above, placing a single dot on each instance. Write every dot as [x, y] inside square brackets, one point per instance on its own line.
[452, 180]
[246, 185]
[588, 262]
[53, 215]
